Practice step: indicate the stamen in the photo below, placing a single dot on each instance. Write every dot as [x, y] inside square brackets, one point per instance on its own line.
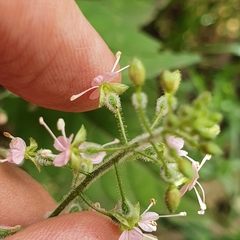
[152, 202]
[202, 205]
[153, 223]
[206, 158]
[118, 55]
[193, 161]
[122, 69]
[115, 141]
[73, 97]
[8, 135]
[203, 193]
[3, 160]
[181, 214]
[61, 127]
[41, 121]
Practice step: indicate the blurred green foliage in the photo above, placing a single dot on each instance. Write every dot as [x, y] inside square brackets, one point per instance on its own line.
[202, 40]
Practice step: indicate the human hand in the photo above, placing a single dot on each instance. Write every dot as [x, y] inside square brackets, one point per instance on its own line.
[25, 202]
[48, 52]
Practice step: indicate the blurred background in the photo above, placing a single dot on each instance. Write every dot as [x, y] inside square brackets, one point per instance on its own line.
[201, 39]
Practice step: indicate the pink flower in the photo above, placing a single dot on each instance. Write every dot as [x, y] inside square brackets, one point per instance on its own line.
[17, 150]
[147, 222]
[133, 234]
[192, 185]
[97, 82]
[96, 157]
[177, 144]
[63, 145]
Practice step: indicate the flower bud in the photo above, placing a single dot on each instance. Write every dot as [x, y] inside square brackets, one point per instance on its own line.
[172, 121]
[161, 106]
[170, 81]
[112, 102]
[137, 72]
[139, 100]
[211, 148]
[76, 162]
[185, 167]
[172, 198]
[80, 137]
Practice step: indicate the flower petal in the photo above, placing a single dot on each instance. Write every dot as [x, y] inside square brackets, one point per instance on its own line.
[97, 158]
[184, 189]
[97, 81]
[62, 143]
[16, 156]
[109, 76]
[134, 234]
[18, 144]
[177, 144]
[95, 94]
[62, 158]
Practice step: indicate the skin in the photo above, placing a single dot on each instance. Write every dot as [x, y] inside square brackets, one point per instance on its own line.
[48, 52]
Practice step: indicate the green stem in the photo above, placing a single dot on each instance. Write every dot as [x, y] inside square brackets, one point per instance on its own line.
[117, 157]
[114, 149]
[125, 206]
[122, 128]
[151, 158]
[156, 121]
[141, 111]
[158, 154]
[97, 209]
[86, 182]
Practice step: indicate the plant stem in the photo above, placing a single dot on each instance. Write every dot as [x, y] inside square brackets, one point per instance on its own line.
[97, 209]
[141, 111]
[156, 121]
[86, 182]
[117, 157]
[122, 128]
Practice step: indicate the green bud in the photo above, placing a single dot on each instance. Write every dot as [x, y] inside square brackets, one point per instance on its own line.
[203, 99]
[139, 100]
[137, 72]
[216, 117]
[172, 121]
[33, 146]
[172, 198]
[80, 137]
[112, 102]
[211, 148]
[185, 167]
[170, 81]
[76, 161]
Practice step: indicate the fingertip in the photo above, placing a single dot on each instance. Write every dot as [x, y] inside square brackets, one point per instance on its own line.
[57, 54]
[81, 225]
[23, 200]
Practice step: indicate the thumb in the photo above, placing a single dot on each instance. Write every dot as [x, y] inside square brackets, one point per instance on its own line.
[81, 225]
[49, 51]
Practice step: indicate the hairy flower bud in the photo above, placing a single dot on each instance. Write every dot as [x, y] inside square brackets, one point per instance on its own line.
[112, 102]
[172, 198]
[211, 148]
[139, 100]
[185, 167]
[137, 72]
[170, 81]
